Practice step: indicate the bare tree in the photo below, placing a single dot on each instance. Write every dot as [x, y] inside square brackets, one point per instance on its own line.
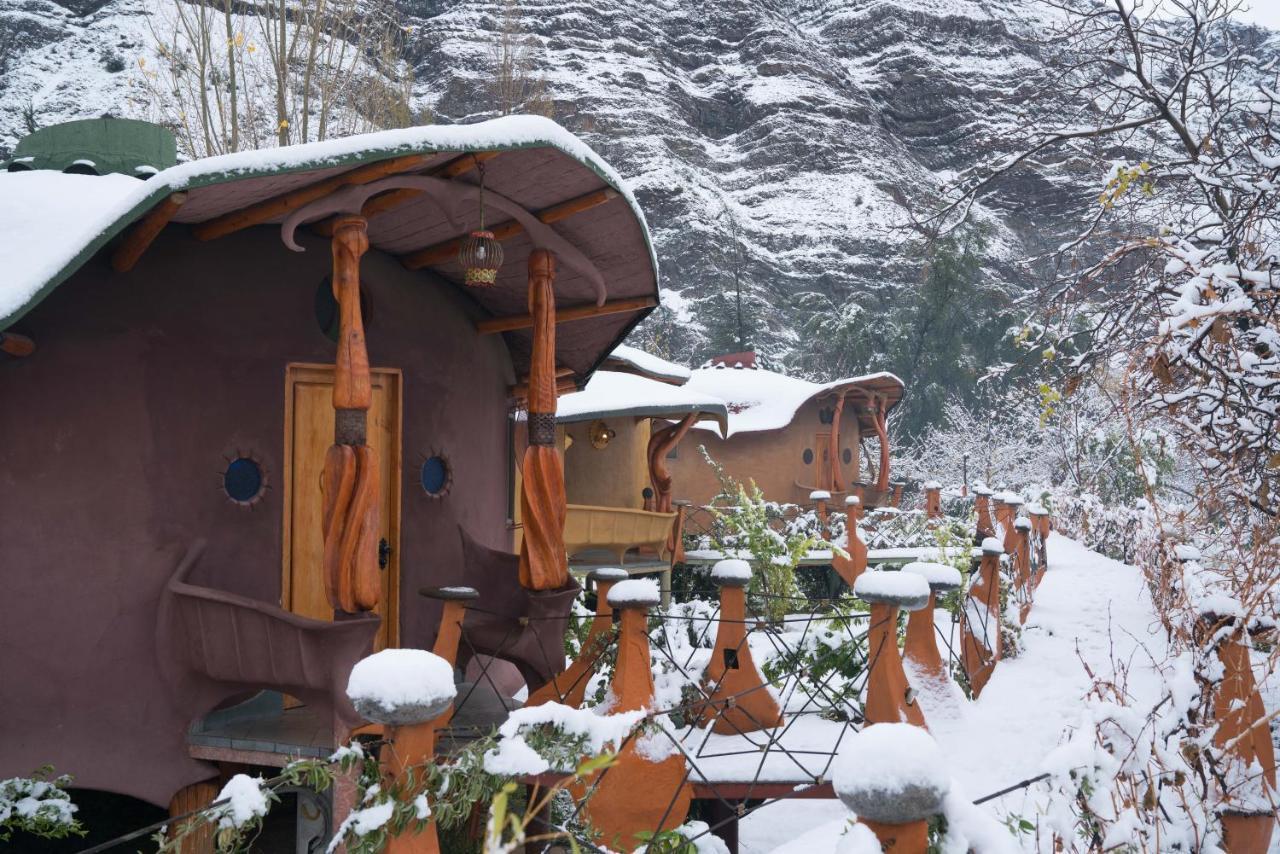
[1173, 276]
[513, 55]
[232, 75]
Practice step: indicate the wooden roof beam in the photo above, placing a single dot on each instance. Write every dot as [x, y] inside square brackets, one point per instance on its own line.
[494, 325]
[277, 206]
[394, 199]
[16, 345]
[144, 232]
[448, 250]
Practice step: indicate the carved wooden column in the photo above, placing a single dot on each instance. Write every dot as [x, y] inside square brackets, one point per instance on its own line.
[543, 563]
[835, 478]
[882, 431]
[980, 626]
[887, 689]
[637, 794]
[570, 687]
[350, 477]
[737, 699]
[661, 441]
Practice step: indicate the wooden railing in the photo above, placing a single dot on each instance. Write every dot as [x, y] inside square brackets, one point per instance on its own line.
[616, 530]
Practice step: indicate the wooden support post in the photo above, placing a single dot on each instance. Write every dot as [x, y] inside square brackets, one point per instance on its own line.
[449, 634]
[1022, 565]
[145, 232]
[187, 799]
[986, 526]
[543, 563]
[835, 478]
[635, 795]
[494, 325]
[980, 620]
[350, 477]
[447, 251]
[882, 432]
[278, 206]
[921, 647]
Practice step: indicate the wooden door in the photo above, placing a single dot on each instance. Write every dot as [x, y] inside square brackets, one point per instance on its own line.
[308, 434]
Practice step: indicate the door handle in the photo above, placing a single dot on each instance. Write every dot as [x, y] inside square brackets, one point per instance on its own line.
[384, 553]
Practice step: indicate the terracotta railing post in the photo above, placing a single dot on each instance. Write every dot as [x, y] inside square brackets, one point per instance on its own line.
[1022, 566]
[932, 499]
[820, 497]
[543, 562]
[849, 568]
[894, 779]
[737, 698]
[921, 647]
[636, 794]
[449, 634]
[570, 687]
[409, 725]
[1041, 524]
[980, 623]
[889, 697]
[1243, 734]
[986, 526]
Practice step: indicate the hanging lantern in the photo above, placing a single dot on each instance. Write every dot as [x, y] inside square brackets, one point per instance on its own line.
[480, 253]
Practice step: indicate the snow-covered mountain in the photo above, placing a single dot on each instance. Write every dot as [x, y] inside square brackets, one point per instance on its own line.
[780, 142]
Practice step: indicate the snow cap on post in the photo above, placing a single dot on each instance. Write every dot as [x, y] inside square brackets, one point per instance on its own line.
[931, 484]
[398, 687]
[819, 495]
[892, 773]
[992, 546]
[940, 577]
[1035, 508]
[852, 501]
[608, 573]
[983, 489]
[634, 593]
[731, 573]
[904, 590]
[1022, 523]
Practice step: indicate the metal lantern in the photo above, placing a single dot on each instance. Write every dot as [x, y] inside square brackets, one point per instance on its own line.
[480, 253]
[480, 256]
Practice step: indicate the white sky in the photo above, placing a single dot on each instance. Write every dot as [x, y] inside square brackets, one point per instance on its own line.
[1265, 12]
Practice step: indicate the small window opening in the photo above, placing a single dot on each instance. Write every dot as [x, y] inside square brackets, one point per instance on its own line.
[731, 659]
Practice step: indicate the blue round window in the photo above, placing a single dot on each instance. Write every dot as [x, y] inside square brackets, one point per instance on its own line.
[808, 456]
[435, 475]
[243, 480]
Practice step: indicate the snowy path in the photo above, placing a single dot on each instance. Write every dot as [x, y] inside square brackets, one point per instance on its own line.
[1088, 609]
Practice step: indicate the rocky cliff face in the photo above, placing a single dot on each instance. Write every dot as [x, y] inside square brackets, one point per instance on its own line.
[778, 144]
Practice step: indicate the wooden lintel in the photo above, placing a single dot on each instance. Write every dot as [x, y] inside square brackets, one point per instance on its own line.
[395, 198]
[577, 312]
[16, 345]
[449, 249]
[144, 232]
[564, 385]
[278, 206]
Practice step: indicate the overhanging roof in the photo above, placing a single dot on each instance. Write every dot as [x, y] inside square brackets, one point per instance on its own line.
[612, 394]
[762, 400]
[637, 361]
[51, 223]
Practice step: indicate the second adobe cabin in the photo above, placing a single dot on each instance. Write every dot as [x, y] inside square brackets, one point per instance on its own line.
[791, 436]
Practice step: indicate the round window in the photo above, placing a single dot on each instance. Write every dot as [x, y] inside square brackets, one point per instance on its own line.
[847, 456]
[243, 480]
[808, 456]
[436, 476]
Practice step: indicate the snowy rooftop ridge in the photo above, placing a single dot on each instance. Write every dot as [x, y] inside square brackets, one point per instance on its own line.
[648, 364]
[764, 400]
[51, 223]
[613, 394]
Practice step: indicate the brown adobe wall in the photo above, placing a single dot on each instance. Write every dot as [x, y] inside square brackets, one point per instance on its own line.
[112, 442]
[773, 458]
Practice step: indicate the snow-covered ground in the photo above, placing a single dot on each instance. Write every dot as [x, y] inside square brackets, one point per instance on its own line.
[1089, 610]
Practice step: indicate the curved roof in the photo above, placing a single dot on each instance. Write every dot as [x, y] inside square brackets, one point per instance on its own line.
[51, 223]
[763, 400]
[637, 361]
[614, 394]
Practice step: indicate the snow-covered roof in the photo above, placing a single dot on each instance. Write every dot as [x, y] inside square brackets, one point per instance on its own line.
[613, 394]
[51, 223]
[634, 359]
[765, 400]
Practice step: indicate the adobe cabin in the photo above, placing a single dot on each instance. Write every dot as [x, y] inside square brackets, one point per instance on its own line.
[790, 435]
[617, 434]
[171, 378]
